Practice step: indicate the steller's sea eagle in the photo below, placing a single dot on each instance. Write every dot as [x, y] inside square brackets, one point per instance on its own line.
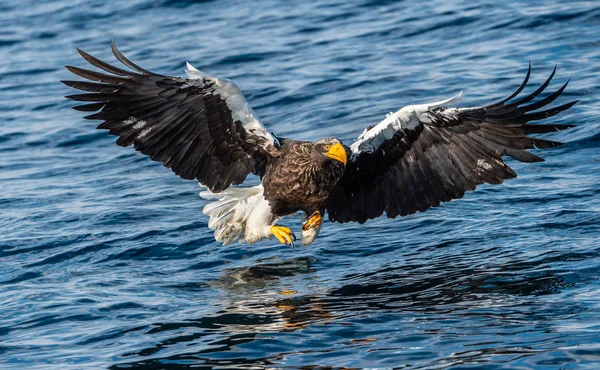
[202, 128]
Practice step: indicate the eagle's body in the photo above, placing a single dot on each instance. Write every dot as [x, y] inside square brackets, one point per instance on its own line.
[300, 179]
[203, 128]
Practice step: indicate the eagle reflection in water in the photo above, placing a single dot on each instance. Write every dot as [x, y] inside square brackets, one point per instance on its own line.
[253, 289]
[259, 300]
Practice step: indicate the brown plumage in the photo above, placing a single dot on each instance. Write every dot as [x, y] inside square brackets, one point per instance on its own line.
[301, 177]
[203, 128]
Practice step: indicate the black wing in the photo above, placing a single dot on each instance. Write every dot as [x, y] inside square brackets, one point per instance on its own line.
[424, 155]
[201, 128]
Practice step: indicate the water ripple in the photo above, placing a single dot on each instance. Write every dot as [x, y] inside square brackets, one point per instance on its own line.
[106, 260]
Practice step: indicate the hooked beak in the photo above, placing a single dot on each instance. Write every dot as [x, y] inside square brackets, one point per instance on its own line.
[338, 152]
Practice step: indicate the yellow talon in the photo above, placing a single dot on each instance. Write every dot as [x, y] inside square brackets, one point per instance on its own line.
[283, 234]
[314, 221]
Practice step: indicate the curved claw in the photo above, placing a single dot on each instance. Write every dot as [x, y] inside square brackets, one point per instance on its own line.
[314, 221]
[283, 234]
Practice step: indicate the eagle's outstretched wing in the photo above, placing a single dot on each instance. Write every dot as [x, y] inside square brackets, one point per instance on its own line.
[201, 127]
[423, 155]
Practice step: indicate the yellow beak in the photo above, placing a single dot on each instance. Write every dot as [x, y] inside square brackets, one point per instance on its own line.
[337, 152]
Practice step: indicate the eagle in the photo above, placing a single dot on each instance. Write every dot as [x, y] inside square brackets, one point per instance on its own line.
[202, 128]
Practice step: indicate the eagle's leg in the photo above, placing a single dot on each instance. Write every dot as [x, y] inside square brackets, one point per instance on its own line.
[283, 234]
[314, 221]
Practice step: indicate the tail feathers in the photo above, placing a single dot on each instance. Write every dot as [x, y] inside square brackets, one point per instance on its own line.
[217, 221]
[229, 213]
[219, 207]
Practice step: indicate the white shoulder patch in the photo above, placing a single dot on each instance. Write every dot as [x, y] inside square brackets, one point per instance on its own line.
[406, 118]
[194, 73]
[235, 100]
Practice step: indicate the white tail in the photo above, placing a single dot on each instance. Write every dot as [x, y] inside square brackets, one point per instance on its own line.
[238, 213]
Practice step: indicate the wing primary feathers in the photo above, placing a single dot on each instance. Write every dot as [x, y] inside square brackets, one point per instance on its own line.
[89, 97]
[536, 92]
[523, 84]
[549, 112]
[544, 129]
[106, 97]
[89, 107]
[103, 65]
[447, 152]
[92, 86]
[129, 63]
[549, 99]
[511, 110]
[95, 76]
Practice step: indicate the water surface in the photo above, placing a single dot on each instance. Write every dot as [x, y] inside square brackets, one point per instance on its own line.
[107, 262]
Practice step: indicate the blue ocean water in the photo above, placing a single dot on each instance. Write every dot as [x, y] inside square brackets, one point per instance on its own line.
[106, 260]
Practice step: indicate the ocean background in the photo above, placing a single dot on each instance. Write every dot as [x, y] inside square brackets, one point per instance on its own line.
[106, 260]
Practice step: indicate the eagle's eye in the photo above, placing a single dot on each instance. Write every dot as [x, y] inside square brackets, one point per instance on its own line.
[327, 147]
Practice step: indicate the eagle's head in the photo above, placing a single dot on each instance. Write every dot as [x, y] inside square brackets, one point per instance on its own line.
[330, 149]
